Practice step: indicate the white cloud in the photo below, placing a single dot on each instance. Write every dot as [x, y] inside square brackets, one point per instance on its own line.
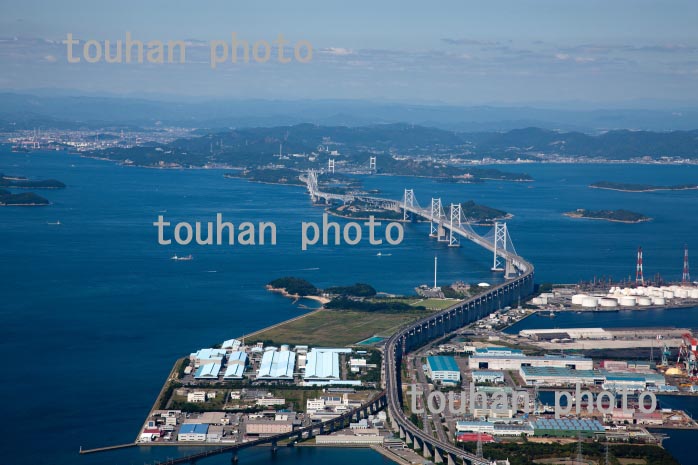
[338, 51]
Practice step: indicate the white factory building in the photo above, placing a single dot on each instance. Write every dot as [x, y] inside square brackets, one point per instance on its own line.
[488, 376]
[322, 367]
[237, 361]
[609, 380]
[514, 361]
[277, 364]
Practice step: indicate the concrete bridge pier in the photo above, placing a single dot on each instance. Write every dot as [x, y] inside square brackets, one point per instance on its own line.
[426, 452]
[417, 444]
[438, 456]
[274, 447]
[451, 460]
[234, 458]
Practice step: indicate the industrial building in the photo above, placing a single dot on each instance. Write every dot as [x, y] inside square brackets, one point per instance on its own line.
[193, 432]
[322, 367]
[268, 427]
[277, 365]
[515, 361]
[609, 380]
[443, 368]
[487, 376]
[237, 361]
[495, 429]
[208, 371]
[557, 376]
[565, 427]
[232, 344]
[572, 333]
[615, 381]
[206, 356]
[498, 351]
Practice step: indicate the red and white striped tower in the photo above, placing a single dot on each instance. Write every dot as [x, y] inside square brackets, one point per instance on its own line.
[639, 277]
[686, 275]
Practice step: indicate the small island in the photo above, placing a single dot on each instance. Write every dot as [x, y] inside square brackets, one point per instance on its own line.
[268, 176]
[623, 187]
[20, 182]
[617, 216]
[482, 214]
[26, 199]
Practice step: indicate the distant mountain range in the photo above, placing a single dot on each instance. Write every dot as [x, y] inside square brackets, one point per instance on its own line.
[400, 148]
[65, 111]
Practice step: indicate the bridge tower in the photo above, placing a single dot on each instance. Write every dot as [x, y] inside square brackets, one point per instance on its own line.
[500, 244]
[313, 189]
[372, 164]
[330, 165]
[407, 202]
[686, 278]
[437, 215]
[455, 222]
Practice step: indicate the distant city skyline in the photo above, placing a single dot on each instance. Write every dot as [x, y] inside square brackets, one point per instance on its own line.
[589, 53]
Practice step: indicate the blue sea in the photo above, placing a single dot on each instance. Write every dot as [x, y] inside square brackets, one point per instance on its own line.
[95, 313]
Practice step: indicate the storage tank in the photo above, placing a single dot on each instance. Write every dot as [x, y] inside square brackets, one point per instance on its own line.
[284, 348]
[537, 301]
[627, 301]
[658, 301]
[577, 299]
[694, 294]
[589, 302]
[644, 301]
[668, 294]
[681, 293]
[608, 302]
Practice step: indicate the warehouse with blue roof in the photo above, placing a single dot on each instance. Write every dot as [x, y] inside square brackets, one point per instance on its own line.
[443, 368]
[193, 432]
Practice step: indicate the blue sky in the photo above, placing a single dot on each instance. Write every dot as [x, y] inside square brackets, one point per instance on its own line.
[459, 52]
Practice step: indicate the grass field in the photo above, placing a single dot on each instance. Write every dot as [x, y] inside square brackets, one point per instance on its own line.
[435, 304]
[337, 327]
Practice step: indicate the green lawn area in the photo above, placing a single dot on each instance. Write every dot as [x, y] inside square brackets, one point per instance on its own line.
[337, 327]
[435, 304]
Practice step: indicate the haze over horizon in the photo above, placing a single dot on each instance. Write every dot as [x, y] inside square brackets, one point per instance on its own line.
[582, 54]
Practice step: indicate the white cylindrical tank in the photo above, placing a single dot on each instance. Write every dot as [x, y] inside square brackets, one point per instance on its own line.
[589, 302]
[644, 301]
[668, 294]
[537, 301]
[627, 301]
[658, 301]
[694, 293]
[577, 299]
[681, 293]
[608, 302]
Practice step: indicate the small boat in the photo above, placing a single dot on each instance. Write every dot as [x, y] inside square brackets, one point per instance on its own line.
[381, 254]
[182, 259]
[54, 223]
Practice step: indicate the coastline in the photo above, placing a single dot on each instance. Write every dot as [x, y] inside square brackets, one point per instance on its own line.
[654, 189]
[283, 292]
[611, 220]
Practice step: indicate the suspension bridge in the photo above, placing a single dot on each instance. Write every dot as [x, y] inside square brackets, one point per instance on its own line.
[446, 224]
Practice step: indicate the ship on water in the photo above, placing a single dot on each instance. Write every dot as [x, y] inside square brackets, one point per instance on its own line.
[182, 259]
